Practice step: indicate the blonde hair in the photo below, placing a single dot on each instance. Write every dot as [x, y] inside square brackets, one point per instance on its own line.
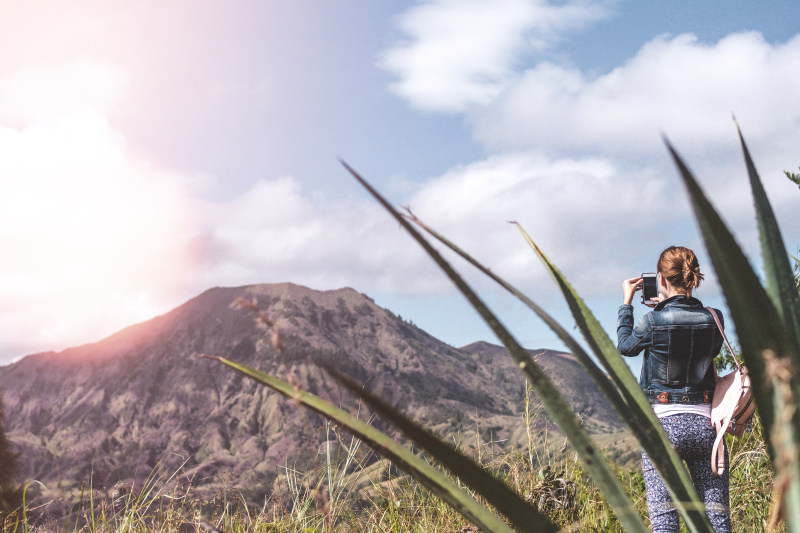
[679, 266]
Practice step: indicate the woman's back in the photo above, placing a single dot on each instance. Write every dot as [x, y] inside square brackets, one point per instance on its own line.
[680, 339]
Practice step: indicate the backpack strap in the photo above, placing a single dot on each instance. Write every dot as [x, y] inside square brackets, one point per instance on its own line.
[722, 331]
[718, 451]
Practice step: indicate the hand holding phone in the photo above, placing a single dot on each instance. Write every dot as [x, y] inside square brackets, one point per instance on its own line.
[649, 288]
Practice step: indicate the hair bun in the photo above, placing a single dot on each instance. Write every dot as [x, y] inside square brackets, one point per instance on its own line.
[680, 267]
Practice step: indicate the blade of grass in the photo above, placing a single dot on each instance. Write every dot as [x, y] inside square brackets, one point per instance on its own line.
[553, 401]
[632, 405]
[522, 515]
[600, 378]
[781, 284]
[25, 503]
[415, 466]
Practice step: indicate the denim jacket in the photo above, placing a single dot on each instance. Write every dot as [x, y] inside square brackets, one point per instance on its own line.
[680, 340]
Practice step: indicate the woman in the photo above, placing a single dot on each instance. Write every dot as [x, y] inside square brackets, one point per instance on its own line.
[680, 340]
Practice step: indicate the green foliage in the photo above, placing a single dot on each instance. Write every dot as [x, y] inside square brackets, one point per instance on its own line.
[725, 361]
[551, 398]
[796, 269]
[415, 466]
[793, 176]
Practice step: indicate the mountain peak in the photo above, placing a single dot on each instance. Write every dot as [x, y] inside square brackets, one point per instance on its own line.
[143, 395]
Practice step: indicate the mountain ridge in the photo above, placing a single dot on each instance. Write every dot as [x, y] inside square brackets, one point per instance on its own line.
[123, 404]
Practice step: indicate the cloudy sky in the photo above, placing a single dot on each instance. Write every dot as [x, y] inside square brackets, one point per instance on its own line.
[151, 150]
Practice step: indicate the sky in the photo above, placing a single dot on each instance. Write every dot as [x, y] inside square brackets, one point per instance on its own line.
[152, 150]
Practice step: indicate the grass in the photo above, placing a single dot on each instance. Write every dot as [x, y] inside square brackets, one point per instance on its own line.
[354, 490]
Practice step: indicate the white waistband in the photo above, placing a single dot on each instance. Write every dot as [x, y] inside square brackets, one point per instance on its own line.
[668, 409]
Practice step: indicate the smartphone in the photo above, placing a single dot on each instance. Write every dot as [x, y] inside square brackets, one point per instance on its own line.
[649, 287]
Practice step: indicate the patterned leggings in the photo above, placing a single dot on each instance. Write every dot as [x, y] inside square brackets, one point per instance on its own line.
[693, 437]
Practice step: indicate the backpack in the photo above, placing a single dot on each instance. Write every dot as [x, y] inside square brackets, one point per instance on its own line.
[731, 407]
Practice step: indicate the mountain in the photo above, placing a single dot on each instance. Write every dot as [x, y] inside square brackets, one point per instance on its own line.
[113, 410]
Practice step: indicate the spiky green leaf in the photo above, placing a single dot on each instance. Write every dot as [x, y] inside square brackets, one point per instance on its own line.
[765, 342]
[757, 322]
[781, 284]
[555, 404]
[521, 514]
[632, 406]
[410, 463]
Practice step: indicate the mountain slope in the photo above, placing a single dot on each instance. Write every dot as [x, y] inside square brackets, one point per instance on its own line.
[116, 408]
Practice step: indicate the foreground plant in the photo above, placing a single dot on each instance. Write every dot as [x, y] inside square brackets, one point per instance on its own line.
[768, 324]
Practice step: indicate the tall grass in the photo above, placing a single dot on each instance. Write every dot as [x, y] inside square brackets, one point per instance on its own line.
[370, 495]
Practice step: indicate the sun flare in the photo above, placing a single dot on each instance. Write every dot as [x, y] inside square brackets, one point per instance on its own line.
[89, 234]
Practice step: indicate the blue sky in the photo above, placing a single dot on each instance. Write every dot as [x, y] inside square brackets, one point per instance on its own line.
[150, 150]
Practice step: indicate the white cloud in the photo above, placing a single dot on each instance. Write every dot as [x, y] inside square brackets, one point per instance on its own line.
[464, 52]
[277, 232]
[598, 219]
[577, 210]
[677, 85]
[578, 158]
[41, 92]
[93, 238]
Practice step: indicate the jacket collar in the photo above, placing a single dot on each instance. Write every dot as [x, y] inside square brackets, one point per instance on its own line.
[680, 299]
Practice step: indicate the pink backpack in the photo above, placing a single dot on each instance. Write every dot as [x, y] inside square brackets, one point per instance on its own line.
[732, 405]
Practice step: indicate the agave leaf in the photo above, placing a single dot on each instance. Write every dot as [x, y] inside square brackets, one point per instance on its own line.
[640, 416]
[781, 284]
[633, 407]
[415, 466]
[782, 290]
[764, 341]
[757, 322]
[521, 515]
[600, 378]
[553, 401]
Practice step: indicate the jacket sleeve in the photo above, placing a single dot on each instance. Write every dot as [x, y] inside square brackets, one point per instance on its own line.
[632, 340]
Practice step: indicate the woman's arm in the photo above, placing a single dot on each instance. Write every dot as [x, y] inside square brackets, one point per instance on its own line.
[631, 341]
[629, 288]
